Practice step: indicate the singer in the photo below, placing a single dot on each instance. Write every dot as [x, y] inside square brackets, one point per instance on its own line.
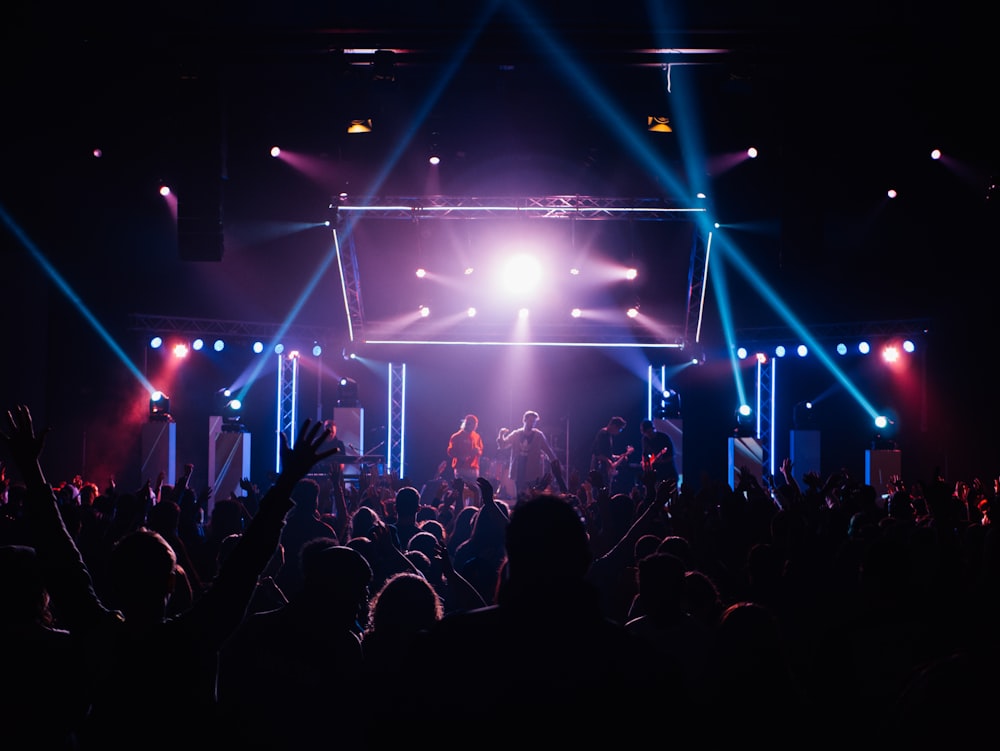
[465, 447]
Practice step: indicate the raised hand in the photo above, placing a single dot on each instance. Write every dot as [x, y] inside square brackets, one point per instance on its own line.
[486, 489]
[297, 460]
[21, 440]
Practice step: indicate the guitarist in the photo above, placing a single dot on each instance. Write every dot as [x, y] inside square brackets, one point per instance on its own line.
[603, 458]
[657, 453]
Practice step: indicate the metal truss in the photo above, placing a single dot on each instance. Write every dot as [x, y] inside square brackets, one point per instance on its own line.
[288, 401]
[765, 413]
[154, 324]
[351, 288]
[543, 207]
[395, 453]
[771, 335]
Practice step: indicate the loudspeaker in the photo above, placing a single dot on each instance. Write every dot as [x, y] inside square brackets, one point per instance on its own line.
[200, 161]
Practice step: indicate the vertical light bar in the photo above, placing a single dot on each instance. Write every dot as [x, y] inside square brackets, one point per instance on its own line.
[402, 423]
[343, 285]
[388, 424]
[277, 420]
[293, 418]
[649, 393]
[760, 366]
[774, 382]
[704, 286]
[663, 383]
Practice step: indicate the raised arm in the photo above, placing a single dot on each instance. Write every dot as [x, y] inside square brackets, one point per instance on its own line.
[66, 575]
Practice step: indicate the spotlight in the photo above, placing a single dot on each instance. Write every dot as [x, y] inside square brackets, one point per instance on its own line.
[421, 273]
[159, 407]
[576, 312]
[434, 160]
[670, 405]
[180, 350]
[198, 345]
[424, 311]
[219, 345]
[802, 416]
[632, 312]
[317, 350]
[471, 312]
[864, 348]
[841, 349]
[741, 352]
[802, 350]
[744, 422]
[631, 274]
[363, 125]
[909, 346]
[347, 392]
[658, 124]
[232, 413]
[275, 151]
[779, 351]
[156, 342]
[258, 347]
[279, 348]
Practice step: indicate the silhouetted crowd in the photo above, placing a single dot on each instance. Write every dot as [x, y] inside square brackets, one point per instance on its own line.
[314, 614]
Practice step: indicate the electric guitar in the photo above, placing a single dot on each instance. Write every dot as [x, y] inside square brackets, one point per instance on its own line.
[615, 463]
[648, 460]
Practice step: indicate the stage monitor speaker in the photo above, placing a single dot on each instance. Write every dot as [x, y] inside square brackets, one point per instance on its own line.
[351, 430]
[159, 451]
[675, 429]
[745, 452]
[228, 461]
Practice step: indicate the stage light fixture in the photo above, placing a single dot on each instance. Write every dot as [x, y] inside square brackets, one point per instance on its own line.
[198, 345]
[744, 422]
[156, 342]
[779, 351]
[317, 350]
[803, 415]
[159, 407]
[258, 347]
[670, 405]
[347, 392]
[363, 125]
[658, 124]
[219, 345]
[231, 409]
